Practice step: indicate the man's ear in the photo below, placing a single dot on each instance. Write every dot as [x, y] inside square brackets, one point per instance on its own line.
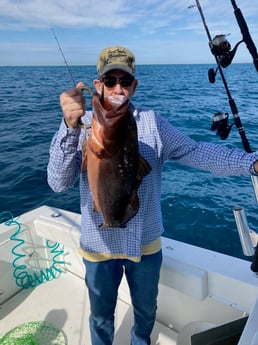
[134, 86]
[98, 86]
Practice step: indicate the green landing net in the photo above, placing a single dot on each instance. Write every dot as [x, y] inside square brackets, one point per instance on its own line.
[34, 333]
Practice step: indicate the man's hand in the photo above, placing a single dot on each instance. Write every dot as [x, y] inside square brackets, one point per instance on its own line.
[73, 105]
[256, 167]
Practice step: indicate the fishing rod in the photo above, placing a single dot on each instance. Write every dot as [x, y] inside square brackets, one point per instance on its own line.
[245, 33]
[221, 49]
[62, 53]
[82, 88]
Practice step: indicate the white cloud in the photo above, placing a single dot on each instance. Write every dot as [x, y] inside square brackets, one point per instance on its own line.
[150, 15]
[38, 13]
[168, 24]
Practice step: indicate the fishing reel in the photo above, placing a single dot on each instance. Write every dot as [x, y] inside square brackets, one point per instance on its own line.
[220, 48]
[221, 125]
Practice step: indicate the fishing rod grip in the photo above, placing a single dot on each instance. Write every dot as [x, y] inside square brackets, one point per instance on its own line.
[246, 34]
[254, 265]
[239, 125]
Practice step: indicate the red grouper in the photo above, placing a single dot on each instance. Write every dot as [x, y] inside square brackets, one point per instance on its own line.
[110, 156]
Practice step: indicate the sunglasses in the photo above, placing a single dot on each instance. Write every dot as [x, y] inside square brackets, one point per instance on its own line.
[111, 81]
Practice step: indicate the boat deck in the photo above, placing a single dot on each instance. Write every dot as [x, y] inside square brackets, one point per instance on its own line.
[72, 316]
[198, 290]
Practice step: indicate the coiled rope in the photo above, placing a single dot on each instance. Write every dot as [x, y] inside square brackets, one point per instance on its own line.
[21, 274]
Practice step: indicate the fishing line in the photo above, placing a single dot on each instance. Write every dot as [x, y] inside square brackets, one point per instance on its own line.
[21, 273]
[82, 88]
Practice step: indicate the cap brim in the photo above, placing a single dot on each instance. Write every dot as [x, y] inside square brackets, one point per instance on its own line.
[116, 66]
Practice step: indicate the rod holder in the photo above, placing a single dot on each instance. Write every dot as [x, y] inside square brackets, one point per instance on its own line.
[243, 231]
[254, 179]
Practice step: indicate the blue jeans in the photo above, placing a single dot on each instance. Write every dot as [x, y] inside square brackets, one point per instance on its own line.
[103, 280]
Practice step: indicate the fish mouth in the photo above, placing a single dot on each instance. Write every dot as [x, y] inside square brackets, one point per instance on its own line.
[118, 100]
[115, 106]
[108, 113]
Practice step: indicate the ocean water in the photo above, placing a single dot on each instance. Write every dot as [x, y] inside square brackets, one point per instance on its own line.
[197, 206]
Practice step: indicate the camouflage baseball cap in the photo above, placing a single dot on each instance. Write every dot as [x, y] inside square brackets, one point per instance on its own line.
[116, 58]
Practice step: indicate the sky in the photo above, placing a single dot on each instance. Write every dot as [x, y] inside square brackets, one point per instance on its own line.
[158, 32]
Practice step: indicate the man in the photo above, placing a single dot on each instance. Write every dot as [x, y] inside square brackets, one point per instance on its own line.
[136, 248]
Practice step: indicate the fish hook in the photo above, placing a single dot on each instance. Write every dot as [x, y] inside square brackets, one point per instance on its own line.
[87, 88]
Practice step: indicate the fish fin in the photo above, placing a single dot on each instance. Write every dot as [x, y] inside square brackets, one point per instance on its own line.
[84, 148]
[84, 141]
[144, 169]
[84, 163]
[95, 209]
[131, 209]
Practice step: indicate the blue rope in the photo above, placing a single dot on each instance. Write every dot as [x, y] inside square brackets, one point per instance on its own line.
[21, 274]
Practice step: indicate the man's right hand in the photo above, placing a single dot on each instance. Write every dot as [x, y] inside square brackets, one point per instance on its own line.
[73, 105]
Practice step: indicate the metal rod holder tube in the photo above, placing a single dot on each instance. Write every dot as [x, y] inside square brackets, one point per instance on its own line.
[243, 231]
[254, 179]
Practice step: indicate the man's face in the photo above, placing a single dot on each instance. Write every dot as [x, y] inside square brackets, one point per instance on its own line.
[116, 83]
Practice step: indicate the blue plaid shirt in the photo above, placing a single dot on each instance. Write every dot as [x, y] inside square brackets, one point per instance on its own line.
[158, 141]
